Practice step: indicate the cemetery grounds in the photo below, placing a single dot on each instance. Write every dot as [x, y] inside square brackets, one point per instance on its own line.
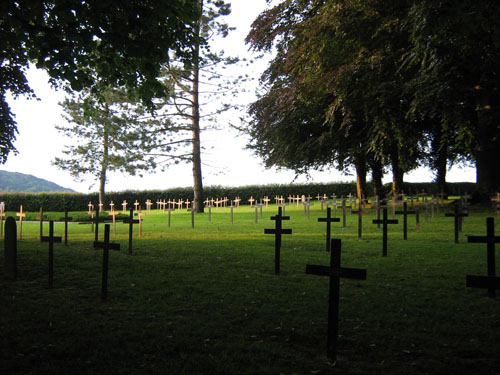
[206, 300]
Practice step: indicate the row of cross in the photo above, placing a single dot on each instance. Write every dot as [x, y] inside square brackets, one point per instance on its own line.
[335, 271]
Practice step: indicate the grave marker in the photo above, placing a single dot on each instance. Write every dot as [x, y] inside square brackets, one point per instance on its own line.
[106, 246]
[136, 205]
[169, 210]
[344, 207]
[41, 217]
[360, 213]
[457, 215]
[96, 220]
[278, 231]
[91, 207]
[124, 206]
[405, 214]
[113, 215]
[251, 200]
[328, 220]
[2, 215]
[148, 205]
[100, 206]
[335, 272]
[10, 249]
[384, 223]
[491, 282]
[139, 217]
[66, 218]
[130, 221]
[232, 214]
[51, 239]
[21, 215]
[112, 205]
[266, 201]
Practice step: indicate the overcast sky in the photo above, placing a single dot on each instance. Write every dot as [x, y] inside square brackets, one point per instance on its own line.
[226, 162]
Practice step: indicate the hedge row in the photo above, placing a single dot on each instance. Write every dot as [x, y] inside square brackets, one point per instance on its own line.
[79, 202]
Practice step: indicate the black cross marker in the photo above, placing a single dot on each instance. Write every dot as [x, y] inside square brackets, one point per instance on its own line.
[328, 220]
[51, 240]
[278, 231]
[106, 246]
[335, 272]
[384, 223]
[491, 281]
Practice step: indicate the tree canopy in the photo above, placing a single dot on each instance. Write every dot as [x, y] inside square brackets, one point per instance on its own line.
[373, 83]
[90, 44]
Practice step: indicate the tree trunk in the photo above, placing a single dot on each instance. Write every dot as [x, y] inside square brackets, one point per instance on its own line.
[360, 165]
[488, 145]
[377, 174]
[197, 177]
[397, 172]
[104, 165]
[440, 151]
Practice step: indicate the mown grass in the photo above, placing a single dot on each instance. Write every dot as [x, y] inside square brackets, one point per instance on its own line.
[206, 300]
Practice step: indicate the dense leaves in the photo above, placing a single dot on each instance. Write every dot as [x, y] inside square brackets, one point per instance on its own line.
[372, 83]
[90, 44]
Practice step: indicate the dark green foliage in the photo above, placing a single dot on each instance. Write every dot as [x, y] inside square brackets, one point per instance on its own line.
[90, 44]
[19, 182]
[78, 202]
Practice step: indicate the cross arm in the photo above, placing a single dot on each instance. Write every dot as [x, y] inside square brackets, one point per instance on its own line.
[348, 273]
[274, 231]
[483, 239]
[109, 245]
[52, 239]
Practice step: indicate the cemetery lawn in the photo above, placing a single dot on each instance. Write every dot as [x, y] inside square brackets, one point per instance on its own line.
[206, 300]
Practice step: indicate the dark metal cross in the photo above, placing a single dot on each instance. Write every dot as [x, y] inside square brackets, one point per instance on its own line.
[278, 231]
[344, 207]
[106, 246]
[51, 240]
[491, 281]
[384, 223]
[405, 214]
[328, 220]
[42, 217]
[335, 272]
[131, 221]
[66, 218]
[360, 213]
[458, 214]
[96, 220]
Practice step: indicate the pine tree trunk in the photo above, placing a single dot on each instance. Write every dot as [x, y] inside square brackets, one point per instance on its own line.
[104, 164]
[197, 177]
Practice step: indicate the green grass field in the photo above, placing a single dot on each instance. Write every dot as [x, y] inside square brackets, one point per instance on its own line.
[206, 300]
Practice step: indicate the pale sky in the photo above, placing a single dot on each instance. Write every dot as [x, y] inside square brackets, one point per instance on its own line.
[226, 162]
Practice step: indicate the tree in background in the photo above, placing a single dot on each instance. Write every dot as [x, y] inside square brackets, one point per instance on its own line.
[333, 86]
[395, 83]
[89, 44]
[201, 90]
[112, 134]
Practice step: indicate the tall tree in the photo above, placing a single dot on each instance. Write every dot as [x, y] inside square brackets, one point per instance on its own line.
[340, 60]
[92, 44]
[111, 134]
[200, 91]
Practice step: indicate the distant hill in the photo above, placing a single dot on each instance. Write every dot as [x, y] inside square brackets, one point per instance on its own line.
[24, 183]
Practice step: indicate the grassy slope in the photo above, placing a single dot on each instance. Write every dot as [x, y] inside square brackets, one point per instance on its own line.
[206, 300]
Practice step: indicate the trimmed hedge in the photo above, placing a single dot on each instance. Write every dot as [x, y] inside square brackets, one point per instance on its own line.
[79, 202]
